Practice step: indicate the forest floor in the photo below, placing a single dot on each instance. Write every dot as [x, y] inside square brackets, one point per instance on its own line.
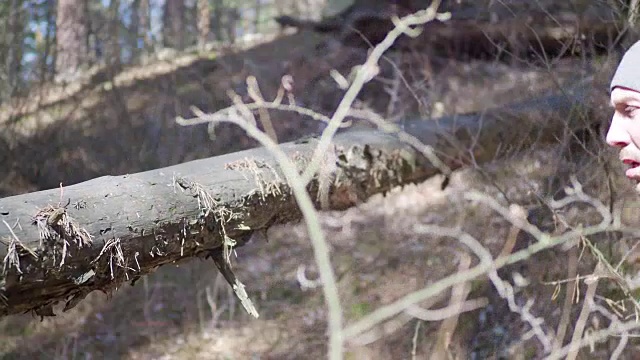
[126, 125]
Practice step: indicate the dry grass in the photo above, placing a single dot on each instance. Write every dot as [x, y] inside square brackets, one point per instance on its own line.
[378, 259]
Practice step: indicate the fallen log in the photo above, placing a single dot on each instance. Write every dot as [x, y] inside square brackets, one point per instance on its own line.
[60, 244]
[522, 31]
[516, 40]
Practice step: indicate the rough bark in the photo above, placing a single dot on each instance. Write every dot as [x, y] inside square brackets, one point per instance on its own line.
[60, 244]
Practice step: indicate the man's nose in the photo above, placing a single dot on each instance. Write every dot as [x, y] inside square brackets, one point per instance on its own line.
[618, 136]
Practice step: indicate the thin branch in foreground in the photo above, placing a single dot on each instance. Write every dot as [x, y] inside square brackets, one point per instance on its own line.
[402, 26]
[298, 183]
[613, 319]
[458, 297]
[544, 241]
[414, 341]
[592, 286]
[320, 246]
[571, 287]
[616, 328]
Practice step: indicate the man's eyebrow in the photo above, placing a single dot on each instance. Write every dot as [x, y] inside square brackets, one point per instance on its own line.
[624, 99]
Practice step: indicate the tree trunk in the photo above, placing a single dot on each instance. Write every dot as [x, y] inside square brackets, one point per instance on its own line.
[133, 33]
[113, 44]
[58, 245]
[95, 37]
[204, 23]
[45, 55]
[218, 7]
[71, 37]
[231, 23]
[257, 13]
[17, 21]
[173, 24]
[145, 25]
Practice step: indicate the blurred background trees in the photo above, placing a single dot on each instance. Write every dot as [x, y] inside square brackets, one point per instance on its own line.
[43, 40]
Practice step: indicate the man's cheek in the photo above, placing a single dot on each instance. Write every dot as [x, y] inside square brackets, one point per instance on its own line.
[634, 133]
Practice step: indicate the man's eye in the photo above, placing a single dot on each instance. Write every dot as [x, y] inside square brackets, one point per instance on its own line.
[631, 111]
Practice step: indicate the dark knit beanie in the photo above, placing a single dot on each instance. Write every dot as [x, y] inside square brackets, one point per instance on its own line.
[628, 73]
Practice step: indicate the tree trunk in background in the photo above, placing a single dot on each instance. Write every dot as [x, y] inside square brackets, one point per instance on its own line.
[95, 38]
[232, 18]
[15, 43]
[204, 23]
[145, 24]
[173, 24]
[217, 19]
[112, 44]
[133, 33]
[48, 38]
[5, 42]
[71, 39]
[257, 14]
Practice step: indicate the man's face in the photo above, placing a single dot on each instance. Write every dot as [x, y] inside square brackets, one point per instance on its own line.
[624, 132]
